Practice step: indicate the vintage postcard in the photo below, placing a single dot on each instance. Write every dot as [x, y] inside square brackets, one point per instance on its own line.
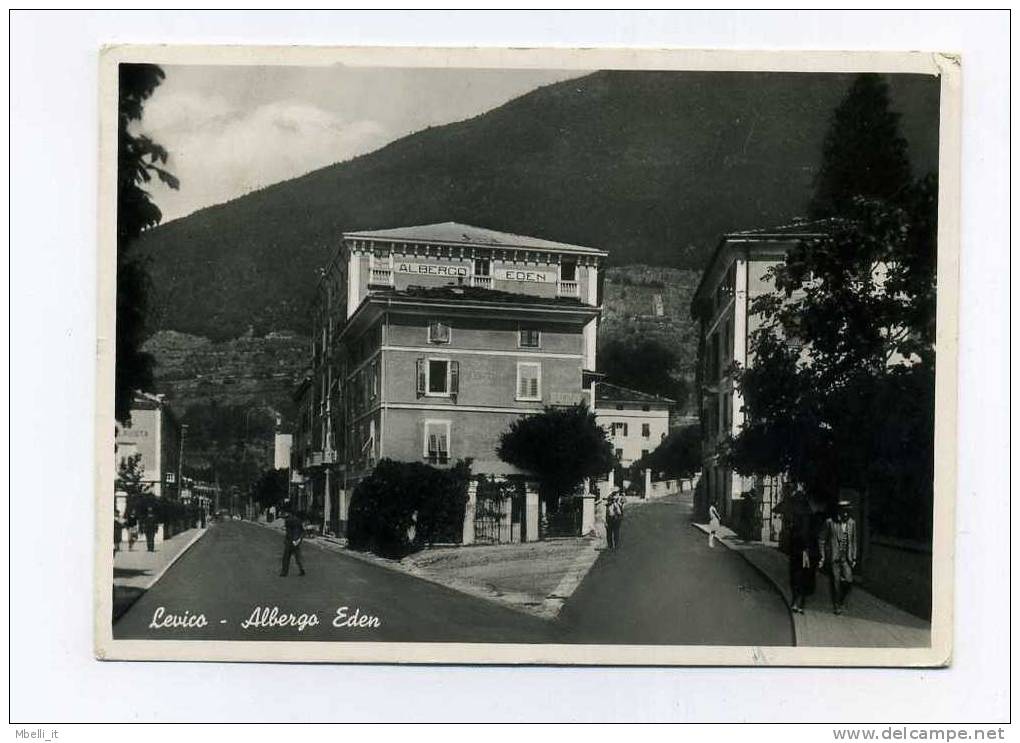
[530, 356]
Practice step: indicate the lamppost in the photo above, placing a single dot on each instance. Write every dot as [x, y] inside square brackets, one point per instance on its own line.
[180, 461]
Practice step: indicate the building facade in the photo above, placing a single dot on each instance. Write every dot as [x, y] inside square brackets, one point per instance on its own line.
[737, 273]
[155, 434]
[635, 422]
[429, 341]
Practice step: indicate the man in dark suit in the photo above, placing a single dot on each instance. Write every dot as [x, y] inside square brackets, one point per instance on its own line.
[838, 544]
[294, 534]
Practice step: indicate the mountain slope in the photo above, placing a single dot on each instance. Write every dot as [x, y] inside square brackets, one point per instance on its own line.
[651, 166]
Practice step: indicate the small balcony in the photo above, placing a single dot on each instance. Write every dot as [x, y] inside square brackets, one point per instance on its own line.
[484, 282]
[380, 277]
[567, 289]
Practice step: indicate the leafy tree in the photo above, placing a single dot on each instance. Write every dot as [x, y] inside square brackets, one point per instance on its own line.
[677, 455]
[560, 446]
[271, 487]
[131, 480]
[645, 364]
[139, 159]
[403, 498]
[839, 390]
[864, 153]
[131, 476]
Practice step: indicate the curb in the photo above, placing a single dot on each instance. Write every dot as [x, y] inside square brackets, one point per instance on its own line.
[547, 609]
[582, 564]
[142, 590]
[795, 619]
[201, 533]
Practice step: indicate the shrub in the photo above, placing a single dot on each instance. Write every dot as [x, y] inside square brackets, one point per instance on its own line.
[404, 506]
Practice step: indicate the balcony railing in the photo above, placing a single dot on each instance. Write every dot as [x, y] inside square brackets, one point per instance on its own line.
[485, 282]
[381, 277]
[566, 289]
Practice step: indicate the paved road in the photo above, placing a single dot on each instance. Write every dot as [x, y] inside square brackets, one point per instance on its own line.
[665, 586]
[234, 569]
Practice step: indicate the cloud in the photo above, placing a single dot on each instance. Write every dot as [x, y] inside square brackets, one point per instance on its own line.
[220, 152]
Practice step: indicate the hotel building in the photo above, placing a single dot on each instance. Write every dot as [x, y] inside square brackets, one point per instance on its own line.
[736, 274]
[429, 341]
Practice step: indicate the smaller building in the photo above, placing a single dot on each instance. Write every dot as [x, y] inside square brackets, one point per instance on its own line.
[155, 434]
[205, 495]
[738, 273]
[636, 422]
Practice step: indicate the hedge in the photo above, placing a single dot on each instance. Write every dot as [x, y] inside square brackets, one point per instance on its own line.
[404, 506]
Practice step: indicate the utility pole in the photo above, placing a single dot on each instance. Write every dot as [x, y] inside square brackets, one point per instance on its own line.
[180, 461]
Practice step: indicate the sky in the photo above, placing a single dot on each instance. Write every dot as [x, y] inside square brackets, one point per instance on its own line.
[231, 130]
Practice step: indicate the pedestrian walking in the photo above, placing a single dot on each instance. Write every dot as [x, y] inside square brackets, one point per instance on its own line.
[294, 534]
[713, 524]
[118, 531]
[132, 533]
[614, 517]
[800, 540]
[838, 543]
[150, 527]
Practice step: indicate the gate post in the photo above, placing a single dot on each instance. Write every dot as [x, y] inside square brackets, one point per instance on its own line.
[468, 533]
[531, 511]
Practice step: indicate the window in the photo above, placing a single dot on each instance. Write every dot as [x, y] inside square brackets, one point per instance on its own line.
[481, 267]
[644, 453]
[619, 454]
[646, 430]
[437, 377]
[568, 271]
[439, 332]
[529, 338]
[529, 381]
[373, 380]
[619, 429]
[437, 442]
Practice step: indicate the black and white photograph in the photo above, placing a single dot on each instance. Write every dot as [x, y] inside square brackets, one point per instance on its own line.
[537, 357]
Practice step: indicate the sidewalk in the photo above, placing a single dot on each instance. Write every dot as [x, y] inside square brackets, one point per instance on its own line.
[532, 577]
[866, 622]
[135, 571]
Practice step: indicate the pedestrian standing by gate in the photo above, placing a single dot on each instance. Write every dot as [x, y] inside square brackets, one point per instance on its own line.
[294, 534]
[838, 541]
[614, 517]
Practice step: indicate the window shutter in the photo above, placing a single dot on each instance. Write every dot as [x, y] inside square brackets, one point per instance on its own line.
[454, 377]
[534, 386]
[522, 385]
[420, 376]
[433, 447]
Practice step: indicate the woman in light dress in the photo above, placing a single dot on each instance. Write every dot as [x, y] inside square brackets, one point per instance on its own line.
[713, 524]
